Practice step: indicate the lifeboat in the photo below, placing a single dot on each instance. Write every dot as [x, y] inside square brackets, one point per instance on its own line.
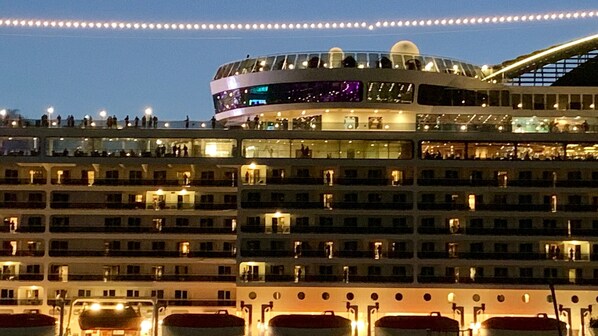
[414, 325]
[27, 325]
[220, 324]
[521, 326]
[312, 325]
[111, 319]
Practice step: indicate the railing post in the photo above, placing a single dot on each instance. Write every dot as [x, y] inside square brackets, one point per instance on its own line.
[355, 310]
[371, 310]
[248, 308]
[583, 313]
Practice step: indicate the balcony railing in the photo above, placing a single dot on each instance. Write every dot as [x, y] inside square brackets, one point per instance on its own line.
[517, 231]
[23, 205]
[337, 181]
[141, 182]
[140, 229]
[145, 277]
[20, 302]
[266, 253]
[153, 254]
[141, 205]
[441, 206]
[497, 280]
[16, 180]
[22, 276]
[22, 253]
[321, 205]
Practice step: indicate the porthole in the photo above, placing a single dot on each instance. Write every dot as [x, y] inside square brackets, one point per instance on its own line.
[374, 296]
[427, 297]
[525, 298]
[252, 295]
[301, 295]
[276, 295]
[575, 299]
[325, 296]
[476, 297]
[399, 297]
[350, 296]
[500, 298]
[549, 298]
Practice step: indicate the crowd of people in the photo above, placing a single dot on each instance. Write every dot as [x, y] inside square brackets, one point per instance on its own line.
[111, 122]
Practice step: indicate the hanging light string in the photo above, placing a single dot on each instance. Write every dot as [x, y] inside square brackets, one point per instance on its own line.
[205, 26]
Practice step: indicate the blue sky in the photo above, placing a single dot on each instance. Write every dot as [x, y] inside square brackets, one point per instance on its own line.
[80, 72]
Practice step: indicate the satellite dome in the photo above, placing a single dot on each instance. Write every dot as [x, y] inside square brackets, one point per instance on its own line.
[336, 56]
[405, 47]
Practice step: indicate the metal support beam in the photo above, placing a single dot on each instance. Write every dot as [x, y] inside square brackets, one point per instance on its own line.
[248, 309]
[478, 310]
[585, 312]
[371, 310]
[459, 310]
[355, 310]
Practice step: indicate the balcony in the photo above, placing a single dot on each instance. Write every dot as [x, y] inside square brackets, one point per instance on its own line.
[20, 302]
[526, 183]
[137, 253]
[282, 205]
[452, 182]
[267, 253]
[146, 277]
[578, 208]
[400, 255]
[320, 205]
[351, 229]
[373, 205]
[433, 230]
[516, 231]
[441, 206]
[197, 303]
[23, 205]
[142, 205]
[216, 206]
[358, 278]
[15, 180]
[22, 276]
[22, 253]
[513, 207]
[577, 184]
[337, 181]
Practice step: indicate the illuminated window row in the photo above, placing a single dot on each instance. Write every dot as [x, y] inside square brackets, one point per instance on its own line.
[327, 149]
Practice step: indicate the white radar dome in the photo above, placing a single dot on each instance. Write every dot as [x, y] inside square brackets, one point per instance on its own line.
[405, 47]
[336, 56]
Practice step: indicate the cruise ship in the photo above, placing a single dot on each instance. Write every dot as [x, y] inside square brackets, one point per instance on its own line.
[367, 184]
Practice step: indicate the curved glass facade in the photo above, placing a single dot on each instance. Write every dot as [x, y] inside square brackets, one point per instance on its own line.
[345, 59]
[288, 93]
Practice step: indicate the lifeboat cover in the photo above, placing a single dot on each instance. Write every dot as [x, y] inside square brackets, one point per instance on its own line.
[26, 320]
[521, 323]
[203, 321]
[433, 323]
[309, 321]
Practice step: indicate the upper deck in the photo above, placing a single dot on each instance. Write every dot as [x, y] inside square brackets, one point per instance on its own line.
[348, 59]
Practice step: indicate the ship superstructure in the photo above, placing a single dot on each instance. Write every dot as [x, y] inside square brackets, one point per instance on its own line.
[364, 183]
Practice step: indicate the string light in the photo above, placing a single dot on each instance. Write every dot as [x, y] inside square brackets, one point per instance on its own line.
[232, 26]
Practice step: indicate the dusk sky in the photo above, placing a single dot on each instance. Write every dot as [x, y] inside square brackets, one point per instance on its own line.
[82, 71]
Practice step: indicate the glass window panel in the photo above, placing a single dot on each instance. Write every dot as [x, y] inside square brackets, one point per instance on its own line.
[490, 151]
[442, 150]
[540, 151]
